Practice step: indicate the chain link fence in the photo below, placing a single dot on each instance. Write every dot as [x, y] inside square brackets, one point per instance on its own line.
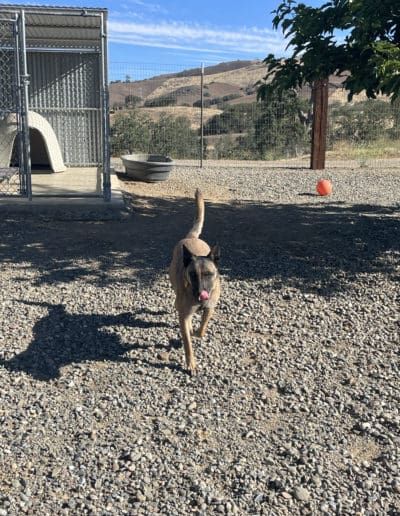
[9, 170]
[214, 115]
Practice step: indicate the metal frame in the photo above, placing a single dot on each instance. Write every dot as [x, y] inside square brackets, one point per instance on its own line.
[105, 112]
[37, 34]
[14, 106]
[24, 78]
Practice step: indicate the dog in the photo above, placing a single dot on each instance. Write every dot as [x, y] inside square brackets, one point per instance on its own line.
[195, 279]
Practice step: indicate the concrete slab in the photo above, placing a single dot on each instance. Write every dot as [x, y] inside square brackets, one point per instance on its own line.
[78, 187]
[75, 182]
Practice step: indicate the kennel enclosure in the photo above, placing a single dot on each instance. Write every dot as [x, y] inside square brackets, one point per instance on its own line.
[53, 94]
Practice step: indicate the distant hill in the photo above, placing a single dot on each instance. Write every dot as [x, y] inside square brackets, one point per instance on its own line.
[233, 80]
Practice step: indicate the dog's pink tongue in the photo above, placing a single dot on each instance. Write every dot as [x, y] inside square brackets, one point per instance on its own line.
[204, 295]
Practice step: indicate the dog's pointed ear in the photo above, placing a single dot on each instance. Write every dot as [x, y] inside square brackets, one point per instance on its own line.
[187, 256]
[215, 253]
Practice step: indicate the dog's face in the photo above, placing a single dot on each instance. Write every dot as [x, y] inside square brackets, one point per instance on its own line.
[201, 272]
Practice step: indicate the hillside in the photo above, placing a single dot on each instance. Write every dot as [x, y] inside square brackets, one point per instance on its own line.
[179, 94]
[228, 83]
[232, 80]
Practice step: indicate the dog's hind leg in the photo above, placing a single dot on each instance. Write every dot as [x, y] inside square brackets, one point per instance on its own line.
[207, 314]
[185, 323]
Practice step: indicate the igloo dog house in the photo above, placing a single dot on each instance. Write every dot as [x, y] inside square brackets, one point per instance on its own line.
[53, 91]
[44, 148]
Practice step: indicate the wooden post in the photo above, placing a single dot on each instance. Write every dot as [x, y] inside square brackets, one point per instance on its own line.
[320, 122]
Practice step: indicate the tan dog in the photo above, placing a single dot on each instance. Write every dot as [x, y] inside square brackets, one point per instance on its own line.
[194, 276]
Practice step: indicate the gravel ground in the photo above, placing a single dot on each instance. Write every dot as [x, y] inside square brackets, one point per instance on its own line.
[295, 406]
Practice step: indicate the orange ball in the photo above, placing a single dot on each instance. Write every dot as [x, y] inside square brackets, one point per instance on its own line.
[324, 187]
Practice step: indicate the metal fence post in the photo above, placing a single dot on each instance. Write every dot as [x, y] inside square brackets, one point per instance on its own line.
[202, 115]
[25, 109]
[105, 113]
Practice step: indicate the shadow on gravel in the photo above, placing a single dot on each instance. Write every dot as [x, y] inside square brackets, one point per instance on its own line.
[61, 338]
[309, 245]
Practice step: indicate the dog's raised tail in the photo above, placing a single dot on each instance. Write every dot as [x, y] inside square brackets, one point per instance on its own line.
[197, 227]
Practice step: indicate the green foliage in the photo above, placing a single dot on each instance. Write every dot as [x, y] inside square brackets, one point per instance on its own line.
[368, 48]
[234, 119]
[132, 101]
[269, 130]
[117, 105]
[217, 101]
[137, 132]
[279, 130]
[162, 101]
[174, 137]
[230, 147]
[362, 123]
[131, 132]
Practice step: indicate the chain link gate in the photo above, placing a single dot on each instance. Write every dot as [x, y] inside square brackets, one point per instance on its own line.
[15, 171]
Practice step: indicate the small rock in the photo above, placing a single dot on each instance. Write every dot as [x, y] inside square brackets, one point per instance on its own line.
[368, 484]
[317, 481]
[301, 494]
[140, 497]
[163, 356]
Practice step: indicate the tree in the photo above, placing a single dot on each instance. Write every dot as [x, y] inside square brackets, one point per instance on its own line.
[131, 132]
[357, 39]
[162, 101]
[137, 132]
[279, 131]
[362, 122]
[174, 137]
[234, 119]
[131, 101]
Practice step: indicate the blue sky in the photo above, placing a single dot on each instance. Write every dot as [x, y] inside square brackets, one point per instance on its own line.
[185, 33]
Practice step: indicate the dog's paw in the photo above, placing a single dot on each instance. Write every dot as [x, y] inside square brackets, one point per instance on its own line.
[191, 367]
[197, 334]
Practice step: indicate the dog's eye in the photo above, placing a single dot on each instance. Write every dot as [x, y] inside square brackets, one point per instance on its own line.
[208, 274]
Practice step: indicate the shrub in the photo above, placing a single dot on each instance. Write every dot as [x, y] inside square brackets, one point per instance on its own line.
[136, 132]
[234, 119]
[162, 101]
[131, 132]
[174, 137]
[131, 101]
[361, 122]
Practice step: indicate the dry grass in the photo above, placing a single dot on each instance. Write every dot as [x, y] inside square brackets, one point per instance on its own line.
[240, 78]
[379, 149]
[194, 114]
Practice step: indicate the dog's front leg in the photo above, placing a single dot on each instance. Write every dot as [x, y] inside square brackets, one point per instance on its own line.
[206, 316]
[185, 323]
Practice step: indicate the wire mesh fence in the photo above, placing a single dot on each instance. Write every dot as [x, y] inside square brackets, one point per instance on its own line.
[215, 115]
[9, 172]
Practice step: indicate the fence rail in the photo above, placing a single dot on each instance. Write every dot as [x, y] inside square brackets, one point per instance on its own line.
[214, 115]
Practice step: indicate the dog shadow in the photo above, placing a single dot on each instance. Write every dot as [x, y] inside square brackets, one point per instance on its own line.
[61, 338]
